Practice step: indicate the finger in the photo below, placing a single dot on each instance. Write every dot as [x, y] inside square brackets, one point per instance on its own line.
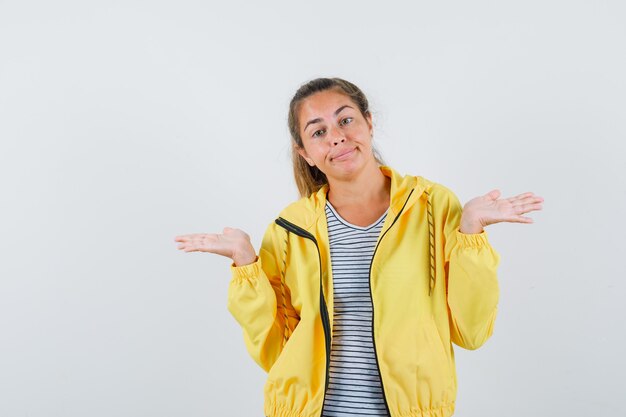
[228, 230]
[203, 237]
[530, 199]
[185, 248]
[493, 194]
[519, 197]
[184, 238]
[526, 198]
[195, 246]
[525, 208]
[519, 219]
[184, 245]
[523, 219]
[188, 237]
[212, 243]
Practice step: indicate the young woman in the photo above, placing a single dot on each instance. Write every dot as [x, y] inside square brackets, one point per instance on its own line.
[362, 285]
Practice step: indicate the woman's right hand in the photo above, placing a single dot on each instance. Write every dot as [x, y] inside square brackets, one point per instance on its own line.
[232, 243]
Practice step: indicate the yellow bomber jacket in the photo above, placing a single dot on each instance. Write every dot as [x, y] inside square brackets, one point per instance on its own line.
[430, 284]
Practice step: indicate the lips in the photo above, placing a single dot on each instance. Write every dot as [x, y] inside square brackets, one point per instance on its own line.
[343, 153]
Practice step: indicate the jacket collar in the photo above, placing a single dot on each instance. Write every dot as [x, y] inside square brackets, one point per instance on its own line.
[405, 191]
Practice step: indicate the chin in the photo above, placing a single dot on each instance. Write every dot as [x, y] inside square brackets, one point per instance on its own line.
[347, 168]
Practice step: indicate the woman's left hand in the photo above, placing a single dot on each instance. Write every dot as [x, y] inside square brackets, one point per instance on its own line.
[488, 209]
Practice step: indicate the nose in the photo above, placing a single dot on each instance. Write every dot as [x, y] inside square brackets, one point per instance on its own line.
[336, 135]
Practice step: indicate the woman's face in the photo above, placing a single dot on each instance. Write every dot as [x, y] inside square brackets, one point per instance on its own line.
[336, 136]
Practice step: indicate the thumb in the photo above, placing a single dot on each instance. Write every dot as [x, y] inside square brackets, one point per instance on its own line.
[493, 194]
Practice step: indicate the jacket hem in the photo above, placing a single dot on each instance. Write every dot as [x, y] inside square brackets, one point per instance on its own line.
[445, 410]
[276, 410]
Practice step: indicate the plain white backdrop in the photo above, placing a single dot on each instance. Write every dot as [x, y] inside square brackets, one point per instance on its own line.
[126, 123]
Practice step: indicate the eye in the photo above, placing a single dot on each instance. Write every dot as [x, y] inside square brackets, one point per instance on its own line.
[347, 118]
[315, 133]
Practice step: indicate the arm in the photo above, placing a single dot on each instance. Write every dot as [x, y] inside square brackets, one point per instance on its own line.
[260, 303]
[471, 280]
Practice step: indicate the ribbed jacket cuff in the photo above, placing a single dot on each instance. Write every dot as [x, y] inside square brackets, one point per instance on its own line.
[472, 240]
[245, 271]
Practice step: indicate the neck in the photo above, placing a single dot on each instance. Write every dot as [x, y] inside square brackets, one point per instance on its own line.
[370, 186]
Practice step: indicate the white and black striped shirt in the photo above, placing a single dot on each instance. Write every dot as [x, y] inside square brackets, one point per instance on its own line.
[354, 381]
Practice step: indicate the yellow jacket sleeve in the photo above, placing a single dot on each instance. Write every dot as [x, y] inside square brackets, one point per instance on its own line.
[471, 279]
[259, 300]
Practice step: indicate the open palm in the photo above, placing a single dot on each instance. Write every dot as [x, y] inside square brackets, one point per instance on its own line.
[232, 243]
[488, 209]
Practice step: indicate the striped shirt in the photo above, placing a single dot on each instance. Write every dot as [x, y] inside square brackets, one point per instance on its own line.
[354, 381]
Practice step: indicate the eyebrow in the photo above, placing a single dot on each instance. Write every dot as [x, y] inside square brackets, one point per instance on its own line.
[317, 120]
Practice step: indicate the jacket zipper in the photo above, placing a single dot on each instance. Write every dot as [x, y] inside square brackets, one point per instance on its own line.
[370, 285]
[323, 307]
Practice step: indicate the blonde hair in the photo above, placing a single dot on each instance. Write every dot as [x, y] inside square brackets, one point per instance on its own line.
[310, 179]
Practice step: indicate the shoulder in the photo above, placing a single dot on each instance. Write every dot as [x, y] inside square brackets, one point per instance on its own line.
[305, 211]
[441, 196]
[297, 212]
[300, 204]
[433, 189]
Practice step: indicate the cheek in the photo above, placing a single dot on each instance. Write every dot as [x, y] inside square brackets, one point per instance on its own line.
[317, 150]
[320, 156]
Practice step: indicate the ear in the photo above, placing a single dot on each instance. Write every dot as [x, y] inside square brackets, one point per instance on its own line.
[370, 124]
[304, 155]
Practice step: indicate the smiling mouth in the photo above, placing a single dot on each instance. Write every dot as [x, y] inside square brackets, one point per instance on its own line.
[344, 155]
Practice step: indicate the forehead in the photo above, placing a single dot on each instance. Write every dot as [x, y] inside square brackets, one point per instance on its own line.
[323, 104]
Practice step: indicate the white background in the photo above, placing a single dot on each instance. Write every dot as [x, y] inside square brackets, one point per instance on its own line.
[126, 123]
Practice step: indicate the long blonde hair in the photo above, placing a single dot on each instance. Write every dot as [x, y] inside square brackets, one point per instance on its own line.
[310, 179]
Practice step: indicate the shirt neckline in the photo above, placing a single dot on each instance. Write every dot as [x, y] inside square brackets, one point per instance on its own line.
[347, 223]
